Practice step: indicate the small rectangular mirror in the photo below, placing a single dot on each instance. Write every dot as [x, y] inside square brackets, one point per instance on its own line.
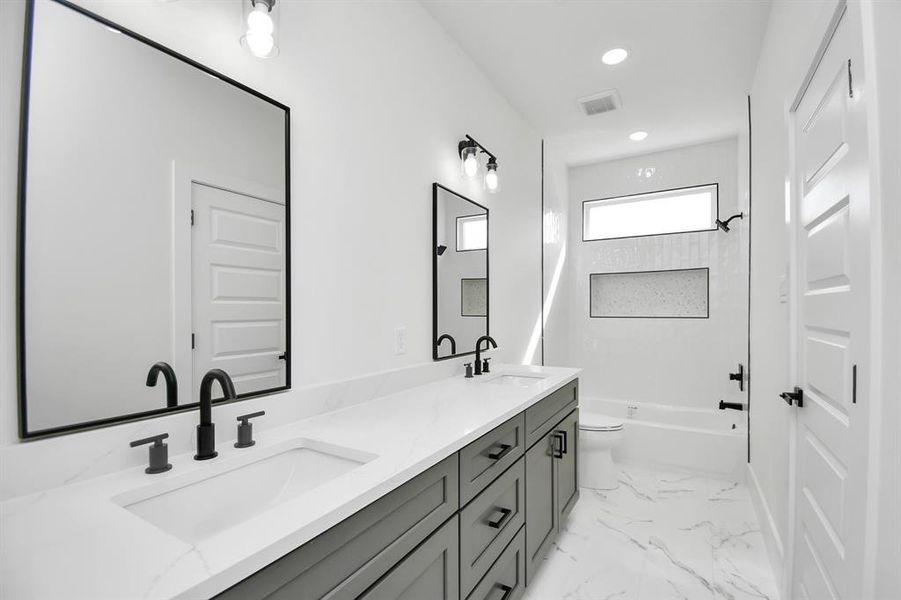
[459, 273]
[154, 222]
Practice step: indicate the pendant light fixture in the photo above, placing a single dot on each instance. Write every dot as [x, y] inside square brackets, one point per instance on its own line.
[469, 150]
[260, 28]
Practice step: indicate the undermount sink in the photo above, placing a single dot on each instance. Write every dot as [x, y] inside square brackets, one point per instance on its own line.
[517, 380]
[200, 505]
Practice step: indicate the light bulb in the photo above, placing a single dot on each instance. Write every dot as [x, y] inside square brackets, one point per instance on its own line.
[259, 22]
[259, 44]
[637, 136]
[470, 165]
[491, 181]
[491, 176]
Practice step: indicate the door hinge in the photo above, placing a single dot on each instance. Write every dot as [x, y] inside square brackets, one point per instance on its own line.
[192, 341]
[192, 217]
[850, 81]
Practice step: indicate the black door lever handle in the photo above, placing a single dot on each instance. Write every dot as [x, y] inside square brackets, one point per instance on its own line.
[794, 397]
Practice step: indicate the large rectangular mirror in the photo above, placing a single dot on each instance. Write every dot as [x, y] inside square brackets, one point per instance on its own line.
[460, 273]
[154, 220]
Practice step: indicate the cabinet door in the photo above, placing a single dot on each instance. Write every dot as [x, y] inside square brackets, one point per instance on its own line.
[541, 502]
[431, 572]
[351, 556]
[567, 464]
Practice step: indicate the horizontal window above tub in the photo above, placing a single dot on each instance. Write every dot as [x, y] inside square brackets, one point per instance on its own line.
[679, 210]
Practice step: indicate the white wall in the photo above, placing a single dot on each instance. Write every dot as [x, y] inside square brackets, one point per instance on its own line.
[679, 362]
[882, 56]
[556, 261]
[380, 96]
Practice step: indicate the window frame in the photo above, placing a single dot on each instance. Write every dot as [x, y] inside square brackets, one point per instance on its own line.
[716, 214]
[470, 218]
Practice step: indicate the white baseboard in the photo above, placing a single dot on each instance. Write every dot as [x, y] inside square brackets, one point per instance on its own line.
[771, 537]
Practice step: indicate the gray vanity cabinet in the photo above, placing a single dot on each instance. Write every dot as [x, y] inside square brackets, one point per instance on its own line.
[431, 572]
[552, 487]
[476, 526]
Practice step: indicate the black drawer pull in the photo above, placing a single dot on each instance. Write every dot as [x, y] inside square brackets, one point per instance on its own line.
[504, 588]
[557, 450]
[505, 514]
[505, 450]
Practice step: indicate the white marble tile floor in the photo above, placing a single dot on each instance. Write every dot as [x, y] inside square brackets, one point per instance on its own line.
[659, 536]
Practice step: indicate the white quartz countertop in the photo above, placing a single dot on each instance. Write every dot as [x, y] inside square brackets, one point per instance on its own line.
[75, 541]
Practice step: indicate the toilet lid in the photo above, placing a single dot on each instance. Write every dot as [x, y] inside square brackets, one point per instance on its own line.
[591, 421]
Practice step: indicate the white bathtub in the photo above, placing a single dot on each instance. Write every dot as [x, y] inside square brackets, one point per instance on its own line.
[709, 441]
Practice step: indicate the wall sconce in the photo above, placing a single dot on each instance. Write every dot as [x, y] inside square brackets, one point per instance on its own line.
[469, 163]
[261, 27]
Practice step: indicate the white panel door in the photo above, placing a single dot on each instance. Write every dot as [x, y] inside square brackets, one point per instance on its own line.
[238, 288]
[832, 335]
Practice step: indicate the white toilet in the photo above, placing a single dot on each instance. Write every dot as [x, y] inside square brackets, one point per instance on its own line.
[598, 434]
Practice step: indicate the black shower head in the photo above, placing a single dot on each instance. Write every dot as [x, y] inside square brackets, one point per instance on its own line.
[724, 225]
[441, 249]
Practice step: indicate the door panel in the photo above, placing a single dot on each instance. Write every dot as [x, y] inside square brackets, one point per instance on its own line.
[238, 288]
[832, 223]
[541, 503]
[568, 466]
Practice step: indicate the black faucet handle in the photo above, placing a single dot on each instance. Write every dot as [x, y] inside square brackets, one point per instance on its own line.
[245, 429]
[485, 368]
[157, 440]
[253, 415]
[159, 453]
[468, 370]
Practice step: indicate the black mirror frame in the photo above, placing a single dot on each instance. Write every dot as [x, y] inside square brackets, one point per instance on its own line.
[24, 432]
[435, 187]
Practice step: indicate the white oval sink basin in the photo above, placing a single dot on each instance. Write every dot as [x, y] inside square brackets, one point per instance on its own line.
[202, 504]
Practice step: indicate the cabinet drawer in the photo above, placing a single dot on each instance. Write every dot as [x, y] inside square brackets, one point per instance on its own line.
[489, 522]
[506, 579]
[348, 558]
[549, 411]
[489, 456]
[431, 572]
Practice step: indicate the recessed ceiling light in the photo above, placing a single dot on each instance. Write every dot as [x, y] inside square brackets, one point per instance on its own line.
[637, 136]
[614, 56]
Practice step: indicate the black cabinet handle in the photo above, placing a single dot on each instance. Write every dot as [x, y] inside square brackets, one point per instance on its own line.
[565, 446]
[505, 450]
[505, 514]
[504, 588]
[557, 451]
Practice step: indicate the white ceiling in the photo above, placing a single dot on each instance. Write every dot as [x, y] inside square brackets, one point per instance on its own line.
[690, 66]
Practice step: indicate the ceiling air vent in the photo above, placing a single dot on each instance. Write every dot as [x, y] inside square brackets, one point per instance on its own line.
[600, 103]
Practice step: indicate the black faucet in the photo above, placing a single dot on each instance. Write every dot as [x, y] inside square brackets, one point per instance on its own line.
[171, 382]
[206, 431]
[449, 338]
[490, 342]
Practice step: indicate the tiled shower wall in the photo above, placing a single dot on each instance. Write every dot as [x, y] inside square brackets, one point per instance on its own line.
[673, 361]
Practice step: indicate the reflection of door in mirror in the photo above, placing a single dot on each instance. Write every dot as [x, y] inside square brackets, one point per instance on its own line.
[238, 288]
[460, 305]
